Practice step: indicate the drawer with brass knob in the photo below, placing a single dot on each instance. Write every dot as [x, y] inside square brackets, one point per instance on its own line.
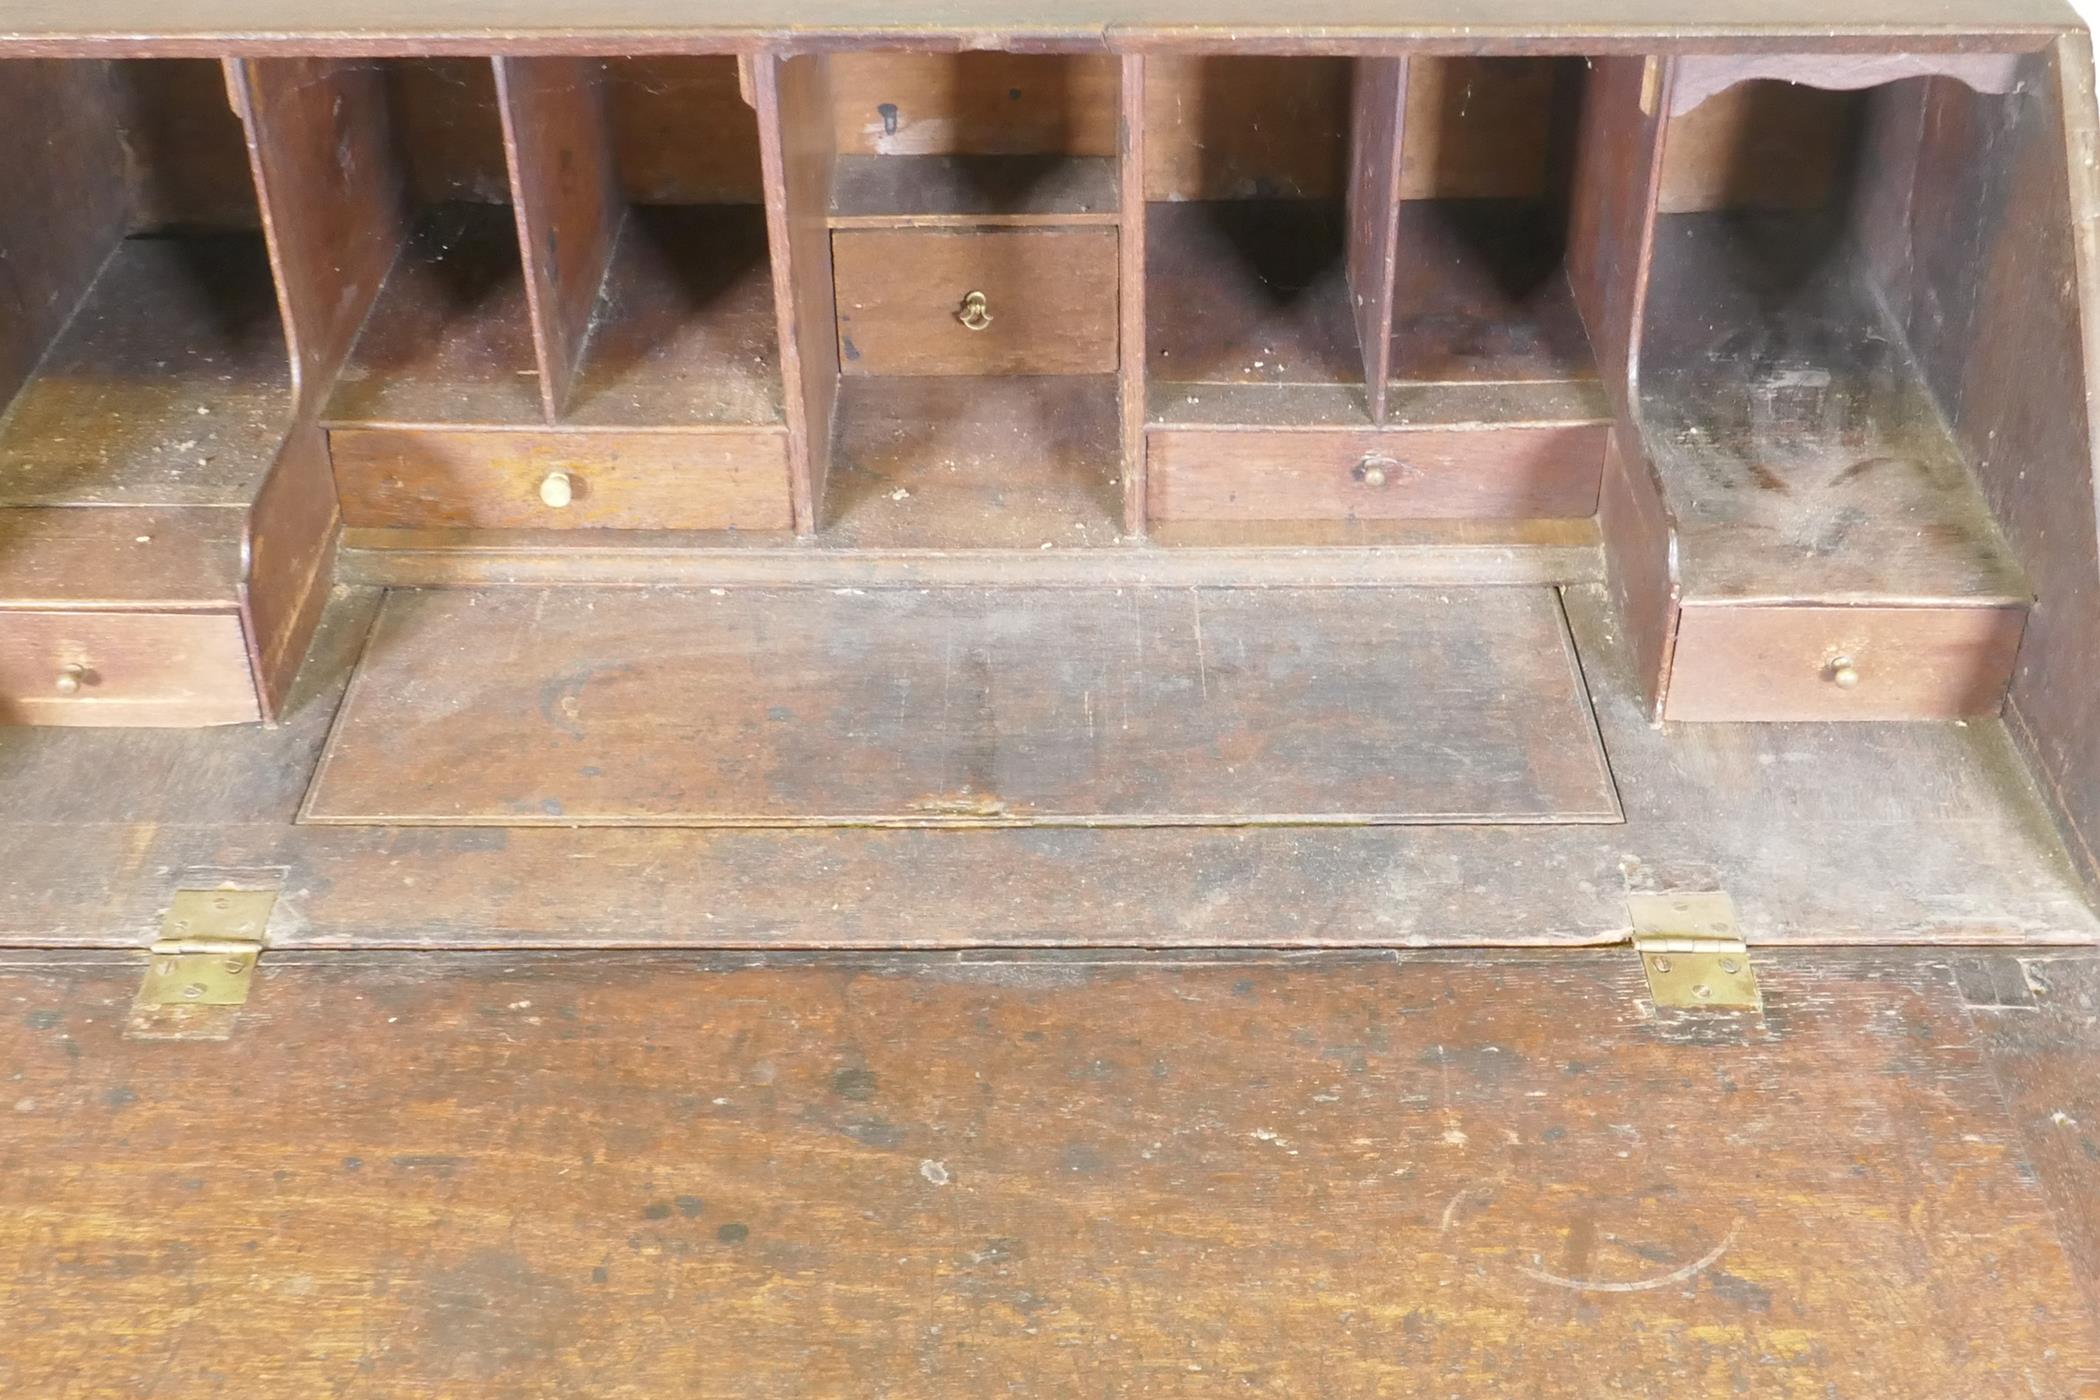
[733, 479]
[1523, 472]
[1824, 661]
[976, 300]
[114, 668]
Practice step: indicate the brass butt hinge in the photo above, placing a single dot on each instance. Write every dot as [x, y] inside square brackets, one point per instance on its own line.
[1693, 952]
[198, 971]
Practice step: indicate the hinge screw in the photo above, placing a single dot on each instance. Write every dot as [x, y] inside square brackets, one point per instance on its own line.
[1662, 964]
[1702, 991]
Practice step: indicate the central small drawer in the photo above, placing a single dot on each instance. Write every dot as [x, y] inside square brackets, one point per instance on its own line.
[976, 301]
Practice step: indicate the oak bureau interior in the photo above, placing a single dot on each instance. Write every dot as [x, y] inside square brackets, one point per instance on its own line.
[1484, 442]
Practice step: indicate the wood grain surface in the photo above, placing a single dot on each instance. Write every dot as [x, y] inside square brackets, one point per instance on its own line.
[633, 1175]
[1009, 707]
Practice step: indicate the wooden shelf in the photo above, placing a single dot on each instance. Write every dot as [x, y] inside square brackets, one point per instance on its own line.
[684, 334]
[1248, 292]
[1482, 294]
[449, 340]
[1796, 442]
[170, 385]
[949, 462]
[939, 191]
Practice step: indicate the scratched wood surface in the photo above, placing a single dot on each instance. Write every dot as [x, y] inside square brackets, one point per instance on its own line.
[1001, 707]
[646, 1175]
[1896, 833]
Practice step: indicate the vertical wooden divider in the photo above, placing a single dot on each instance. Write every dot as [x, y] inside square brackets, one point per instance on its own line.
[797, 149]
[557, 142]
[334, 215]
[1377, 122]
[1130, 314]
[1618, 178]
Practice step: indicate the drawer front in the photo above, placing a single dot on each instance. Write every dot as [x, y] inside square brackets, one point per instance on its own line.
[1490, 473]
[160, 669]
[1748, 662]
[1049, 301]
[413, 477]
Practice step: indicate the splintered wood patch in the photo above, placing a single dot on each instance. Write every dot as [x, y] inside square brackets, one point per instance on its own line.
[997, 707]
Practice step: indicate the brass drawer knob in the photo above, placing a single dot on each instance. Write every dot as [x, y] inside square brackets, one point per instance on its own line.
[976, 312]
[1843, 672]
[1376, 469]
[557, 491]
[71, 679]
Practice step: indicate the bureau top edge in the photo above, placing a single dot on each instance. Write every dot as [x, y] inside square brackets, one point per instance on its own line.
[385, 28]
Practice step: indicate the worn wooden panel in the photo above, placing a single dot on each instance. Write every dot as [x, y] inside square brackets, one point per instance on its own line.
[1005, 707]
[1482, 128]
[1132, 371]
[1640, 562]
[662, 481]
[1778, 663]
[962, 191]
[451, 128]
[289, 551]
[1373, 212]
[185, 160]
[1618, 158]
[134, 669]
[1249, 292]
[899, 103]
[120, 557]
[171, 386]
[332, 199]
[1760, 145]
[552, 1175]
[450, 338]
[686, 333]
[1801, 452]
[558, 142]
[953, 462]
[60, 162]
[1483, 296]
[682, 131]
[1511, 473]
[794, 100]
[2037, 1020]
[1050, 296]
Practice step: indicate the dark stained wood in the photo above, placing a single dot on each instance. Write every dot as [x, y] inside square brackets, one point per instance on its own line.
[984, 103]
[450, 339]
[1009, 707]
[1249, 292]
[1132, 371]
[558, 142]
[1483, 295]
[184, 161]
[1641, 563]
[1903, 834]
[134, 668]
[1508, 473]
[682, 131]
[1701, 76]
[947, 461]
[1779, 663]
[519, 1174]
[61, 163]
[1760, 145]
[949, 191]
[1373, 212]
[1481, 128]
[288, 553]
[332, 200]
[170, 387]
[1050, 295]
[120, 557]
[449, 129]
[799, 152]
[1618, 165]
[2004, 196]
[1240, 126]
[686, 334]
[721, 480]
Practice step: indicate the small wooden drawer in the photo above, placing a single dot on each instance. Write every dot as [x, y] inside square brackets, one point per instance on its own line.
[1492, 473]
[411, 477]
[1824, 662]
[905, 302]
[147, 669]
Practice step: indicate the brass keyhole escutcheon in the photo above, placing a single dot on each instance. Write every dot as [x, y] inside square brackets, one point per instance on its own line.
[976, 313]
